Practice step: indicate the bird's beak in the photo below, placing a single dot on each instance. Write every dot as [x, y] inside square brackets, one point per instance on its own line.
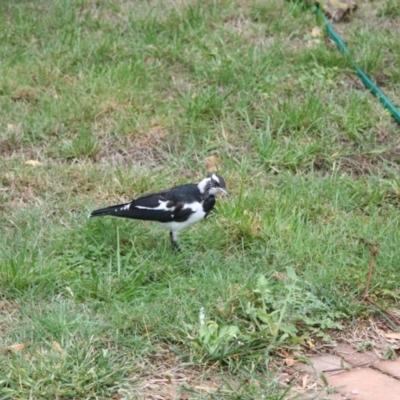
[224, 191]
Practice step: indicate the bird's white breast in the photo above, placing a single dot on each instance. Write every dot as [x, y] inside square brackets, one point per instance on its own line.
[197, 215]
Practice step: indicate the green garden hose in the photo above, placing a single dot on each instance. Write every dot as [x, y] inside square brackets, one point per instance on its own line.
[366, 80]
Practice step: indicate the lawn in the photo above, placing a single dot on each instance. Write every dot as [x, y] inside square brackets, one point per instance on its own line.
[101, 101]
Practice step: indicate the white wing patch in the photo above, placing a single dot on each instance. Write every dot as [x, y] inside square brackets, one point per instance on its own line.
[162, 206]
[193, 206]
[197, 215]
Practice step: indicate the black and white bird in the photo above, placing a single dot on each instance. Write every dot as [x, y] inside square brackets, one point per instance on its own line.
[175, 209]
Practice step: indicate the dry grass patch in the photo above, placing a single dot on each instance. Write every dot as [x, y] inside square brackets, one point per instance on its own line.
[137, 148]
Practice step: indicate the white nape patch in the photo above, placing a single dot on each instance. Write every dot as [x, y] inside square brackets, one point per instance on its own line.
[197, 215]
[203, 184]
[162, 206]
[215, 177]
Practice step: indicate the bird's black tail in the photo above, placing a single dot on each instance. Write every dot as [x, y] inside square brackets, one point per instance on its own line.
[120, 210]
[125, 211]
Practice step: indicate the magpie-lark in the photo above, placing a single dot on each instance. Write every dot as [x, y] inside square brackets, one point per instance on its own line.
[175, 208]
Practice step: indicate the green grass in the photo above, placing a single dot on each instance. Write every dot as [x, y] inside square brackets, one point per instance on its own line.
[118, 98]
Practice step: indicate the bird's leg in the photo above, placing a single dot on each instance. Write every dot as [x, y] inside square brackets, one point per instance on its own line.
[174, 236]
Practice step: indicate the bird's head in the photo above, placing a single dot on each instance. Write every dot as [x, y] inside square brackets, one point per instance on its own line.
[212, 185]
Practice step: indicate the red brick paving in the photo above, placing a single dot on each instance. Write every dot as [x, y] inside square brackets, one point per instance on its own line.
[354, 357]
[366, 384]
[391, 368]
[353, 375]
[326, 364]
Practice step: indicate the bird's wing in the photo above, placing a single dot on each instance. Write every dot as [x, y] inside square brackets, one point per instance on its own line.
[150, 200]
[161, 206]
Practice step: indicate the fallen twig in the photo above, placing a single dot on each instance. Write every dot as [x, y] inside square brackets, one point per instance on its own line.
[374, 250]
